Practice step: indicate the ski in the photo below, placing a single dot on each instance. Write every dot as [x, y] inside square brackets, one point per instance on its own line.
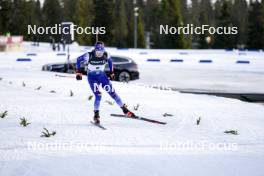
[98, 125]
[64, 76]
[139, 118]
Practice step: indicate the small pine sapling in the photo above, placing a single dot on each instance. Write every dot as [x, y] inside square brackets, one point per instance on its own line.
[46, 133]
[90, 97]
[3, 114]
[198, 121]
[71, 93]
[109, 102]
[24, 122]
[234, 132]
[136, 107]
[167, 115]
[38, 88]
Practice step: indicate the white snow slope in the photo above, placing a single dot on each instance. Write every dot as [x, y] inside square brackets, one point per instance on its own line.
[127, 147]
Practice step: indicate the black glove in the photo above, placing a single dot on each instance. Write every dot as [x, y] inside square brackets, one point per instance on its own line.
[112, 76]
[78, 75]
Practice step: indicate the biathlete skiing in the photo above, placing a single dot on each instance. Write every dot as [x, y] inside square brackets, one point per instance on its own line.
[96, 76]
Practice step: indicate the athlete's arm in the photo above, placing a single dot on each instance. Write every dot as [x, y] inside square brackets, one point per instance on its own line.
[111, 68]
[110, 63]
[81, 59]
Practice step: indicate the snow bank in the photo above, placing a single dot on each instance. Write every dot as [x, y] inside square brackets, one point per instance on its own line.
[127, 147]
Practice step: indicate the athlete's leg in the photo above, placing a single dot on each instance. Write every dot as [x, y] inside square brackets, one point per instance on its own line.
[107, 85]
[94, 85]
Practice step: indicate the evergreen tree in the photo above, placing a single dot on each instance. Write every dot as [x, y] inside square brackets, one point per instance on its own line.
[170, 15]
[151, 22]
[17, 15]
[69, 10]
[206, 7]
[38, 18]
[33, 17]
[83, 17]
[224, 20]
[206, 17]
[184, 11]
[203, 43]
[104, 17]
[52, 14]
[5, 14]
[130, 23]
[194, 10]
[217, 8]
[121, 25]
[186, 20]
[141, 43]
[17, 19]
[22, 15]
[38, 13]
[239, 17]
[194, 18]
[256, 25]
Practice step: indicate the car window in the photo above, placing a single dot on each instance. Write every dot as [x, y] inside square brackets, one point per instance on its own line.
[119, 59]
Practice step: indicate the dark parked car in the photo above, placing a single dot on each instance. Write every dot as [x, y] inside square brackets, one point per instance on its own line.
[125, 68]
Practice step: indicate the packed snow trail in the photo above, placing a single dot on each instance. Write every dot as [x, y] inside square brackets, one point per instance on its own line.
[127, 147]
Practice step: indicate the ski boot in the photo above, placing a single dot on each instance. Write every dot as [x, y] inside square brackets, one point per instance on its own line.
[96, 117]
[127, 112]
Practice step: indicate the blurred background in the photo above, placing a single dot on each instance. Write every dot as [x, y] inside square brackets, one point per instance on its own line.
[122, 17]
[225, 65]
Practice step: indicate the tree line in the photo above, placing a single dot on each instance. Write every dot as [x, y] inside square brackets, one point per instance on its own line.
[118, 18]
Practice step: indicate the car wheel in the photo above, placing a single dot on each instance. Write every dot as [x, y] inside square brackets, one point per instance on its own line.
[124, 76]
[49, 68]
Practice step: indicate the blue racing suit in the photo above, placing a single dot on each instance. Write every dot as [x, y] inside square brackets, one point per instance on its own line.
[97, 77]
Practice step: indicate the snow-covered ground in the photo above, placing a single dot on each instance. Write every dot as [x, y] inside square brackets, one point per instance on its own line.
[222, 75]
[127, 147]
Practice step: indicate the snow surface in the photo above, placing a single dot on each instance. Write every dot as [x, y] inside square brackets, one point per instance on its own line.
[127, 147]
[223, 75]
